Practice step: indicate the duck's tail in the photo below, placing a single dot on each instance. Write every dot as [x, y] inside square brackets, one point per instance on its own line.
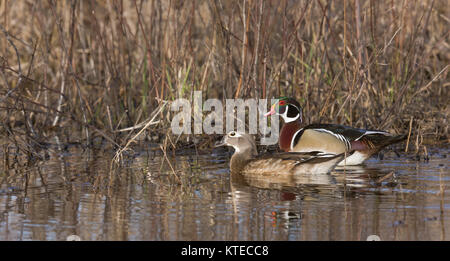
[388, 140]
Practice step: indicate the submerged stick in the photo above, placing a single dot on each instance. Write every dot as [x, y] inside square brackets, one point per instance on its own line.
[409, 134]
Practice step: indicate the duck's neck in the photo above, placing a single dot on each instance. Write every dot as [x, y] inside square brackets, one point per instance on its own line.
[240, 159]
[287, 133]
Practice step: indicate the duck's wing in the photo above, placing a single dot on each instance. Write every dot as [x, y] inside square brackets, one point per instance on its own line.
[278, 163]
[296, 156]
[269, 166]
[348, 132]
[359, 139]
[320, 164]
[286, 163]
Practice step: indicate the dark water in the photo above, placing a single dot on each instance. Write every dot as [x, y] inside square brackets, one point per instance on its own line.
[195, 198]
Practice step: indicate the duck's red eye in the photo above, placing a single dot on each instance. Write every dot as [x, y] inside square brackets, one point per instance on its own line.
[282, 103]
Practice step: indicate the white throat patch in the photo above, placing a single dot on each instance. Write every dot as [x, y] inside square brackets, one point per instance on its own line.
[236, 149]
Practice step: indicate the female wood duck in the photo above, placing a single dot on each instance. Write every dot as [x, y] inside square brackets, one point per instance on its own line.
[245, 159]
[327, 138]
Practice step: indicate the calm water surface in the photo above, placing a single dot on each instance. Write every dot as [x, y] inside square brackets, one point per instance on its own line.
[191, 196]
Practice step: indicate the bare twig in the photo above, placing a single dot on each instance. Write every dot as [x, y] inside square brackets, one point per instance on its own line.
[118, 154]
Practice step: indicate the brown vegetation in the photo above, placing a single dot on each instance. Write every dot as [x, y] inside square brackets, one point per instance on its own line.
[88, 69]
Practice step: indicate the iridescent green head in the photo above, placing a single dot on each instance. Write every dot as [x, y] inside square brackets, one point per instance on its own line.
[289, 109]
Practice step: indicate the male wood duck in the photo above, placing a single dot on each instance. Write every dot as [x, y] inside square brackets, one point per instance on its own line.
[360, 144]
[245, 159]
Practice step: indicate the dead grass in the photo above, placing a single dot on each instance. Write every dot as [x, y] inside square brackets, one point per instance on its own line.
[88, 69]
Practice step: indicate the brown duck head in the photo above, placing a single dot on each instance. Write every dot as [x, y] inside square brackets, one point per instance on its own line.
[244, 149]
